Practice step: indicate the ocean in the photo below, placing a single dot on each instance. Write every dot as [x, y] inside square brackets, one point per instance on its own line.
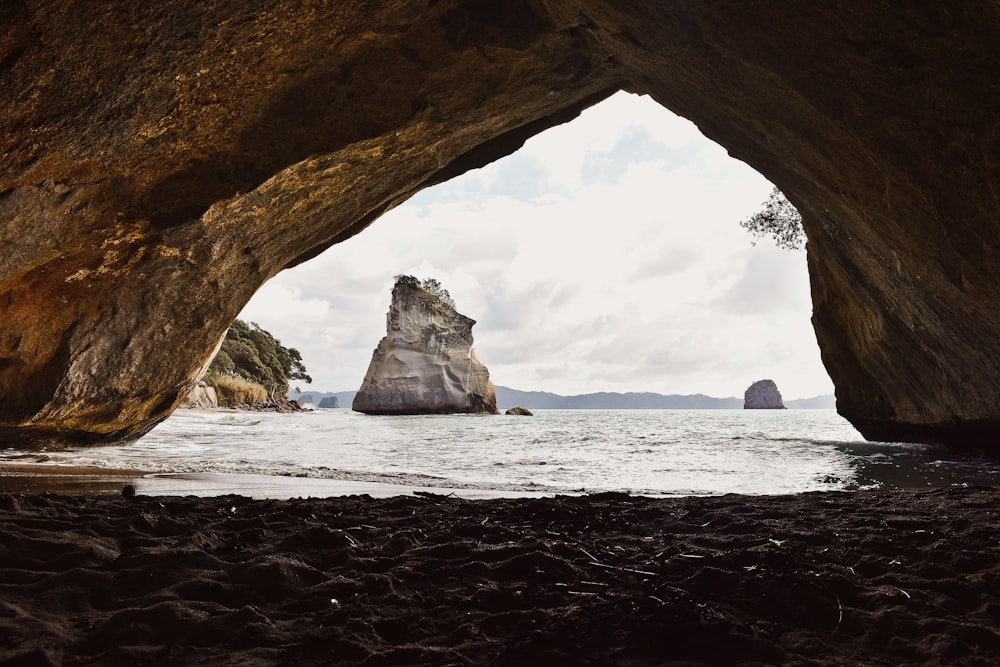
[646, 452]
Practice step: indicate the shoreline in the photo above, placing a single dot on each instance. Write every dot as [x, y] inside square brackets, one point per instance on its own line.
[825, 578]
[70, 480]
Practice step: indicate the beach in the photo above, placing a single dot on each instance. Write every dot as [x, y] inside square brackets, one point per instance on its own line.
[96, 481]
[828, 578]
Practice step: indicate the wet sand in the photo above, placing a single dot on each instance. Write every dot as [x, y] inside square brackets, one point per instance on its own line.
[871, 578]
[36, 478]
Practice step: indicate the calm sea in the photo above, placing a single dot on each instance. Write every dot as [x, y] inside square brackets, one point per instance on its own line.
[650, 452]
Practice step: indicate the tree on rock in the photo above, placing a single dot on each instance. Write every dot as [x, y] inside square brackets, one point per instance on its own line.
[431, 285]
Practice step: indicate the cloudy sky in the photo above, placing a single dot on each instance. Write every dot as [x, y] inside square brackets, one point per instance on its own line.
[605, 255]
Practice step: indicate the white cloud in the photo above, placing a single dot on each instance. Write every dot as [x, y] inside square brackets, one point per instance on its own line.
[605, 255]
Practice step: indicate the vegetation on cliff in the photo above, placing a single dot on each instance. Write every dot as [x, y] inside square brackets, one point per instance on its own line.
[779, 220]
[431, 285]
[252, 366]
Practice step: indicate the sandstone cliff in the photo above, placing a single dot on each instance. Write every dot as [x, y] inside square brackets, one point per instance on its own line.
[763, 395]
[425, 364]
[161, 161]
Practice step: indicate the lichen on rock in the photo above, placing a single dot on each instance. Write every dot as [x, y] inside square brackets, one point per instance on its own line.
[425, 364]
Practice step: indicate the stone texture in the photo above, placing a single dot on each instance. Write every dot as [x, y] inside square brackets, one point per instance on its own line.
[425, 364]
[202, 396]
[160, 161]
[763, 395]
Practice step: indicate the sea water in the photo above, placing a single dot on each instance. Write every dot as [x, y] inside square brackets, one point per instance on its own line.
[649, 452]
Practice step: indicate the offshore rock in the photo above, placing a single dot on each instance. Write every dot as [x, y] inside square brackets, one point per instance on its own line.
[425, 364]
[763, 395]
[329, 402]
[159, 161]
[520, 412]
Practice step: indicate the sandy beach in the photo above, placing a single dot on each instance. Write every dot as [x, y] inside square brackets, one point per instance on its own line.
[35, 478]
[873, 578]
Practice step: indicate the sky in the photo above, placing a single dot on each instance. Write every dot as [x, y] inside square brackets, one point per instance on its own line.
[604, 255]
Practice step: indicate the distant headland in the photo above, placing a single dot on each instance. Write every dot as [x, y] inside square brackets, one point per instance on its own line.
[543, 400]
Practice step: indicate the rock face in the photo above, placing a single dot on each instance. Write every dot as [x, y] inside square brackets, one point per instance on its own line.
[329, 402]
[202, 396]
[161, 161]
[762, 395]
[425, 364]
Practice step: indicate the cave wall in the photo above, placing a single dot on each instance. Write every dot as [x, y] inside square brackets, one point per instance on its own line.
[159, 163]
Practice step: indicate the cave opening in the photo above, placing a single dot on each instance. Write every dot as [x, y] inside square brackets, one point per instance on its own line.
[604, 255]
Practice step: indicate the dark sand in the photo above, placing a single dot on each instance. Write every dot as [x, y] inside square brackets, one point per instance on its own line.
[868, 578]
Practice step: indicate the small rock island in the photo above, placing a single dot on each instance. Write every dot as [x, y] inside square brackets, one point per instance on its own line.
[763, 395]
[329, 402]
[425, 364]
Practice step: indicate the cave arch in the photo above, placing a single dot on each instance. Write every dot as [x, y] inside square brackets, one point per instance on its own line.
[160, 163]
[674, 299]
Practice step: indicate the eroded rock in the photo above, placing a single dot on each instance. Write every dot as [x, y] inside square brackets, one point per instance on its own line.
[425, 364]
[202, 396]
[160, 161]
[763, 395]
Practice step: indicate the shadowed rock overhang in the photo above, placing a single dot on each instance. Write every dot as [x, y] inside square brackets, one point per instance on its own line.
[160, 161]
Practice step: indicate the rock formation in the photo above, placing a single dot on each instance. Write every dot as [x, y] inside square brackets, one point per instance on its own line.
[763, 395]
[520, 412]
[425, 364]
[202, 396]
[329, 402]
[160, 161]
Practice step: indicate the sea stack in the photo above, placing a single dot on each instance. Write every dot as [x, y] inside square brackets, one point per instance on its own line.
[425, 364]
[763, 395]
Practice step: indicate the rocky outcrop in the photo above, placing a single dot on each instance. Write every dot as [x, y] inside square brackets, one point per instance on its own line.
[520, 412]
[202, 396]
[160, 161]
[763, 395]
[425, 364]
[277, 404]
[329, 402]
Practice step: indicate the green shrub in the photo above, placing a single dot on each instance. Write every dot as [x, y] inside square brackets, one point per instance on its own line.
[254, 355]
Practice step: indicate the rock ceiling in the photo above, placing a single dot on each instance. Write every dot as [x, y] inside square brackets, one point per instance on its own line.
[160, 161]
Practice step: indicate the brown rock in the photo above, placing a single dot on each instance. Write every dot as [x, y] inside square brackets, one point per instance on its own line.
[160, 161]
[519, 412]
